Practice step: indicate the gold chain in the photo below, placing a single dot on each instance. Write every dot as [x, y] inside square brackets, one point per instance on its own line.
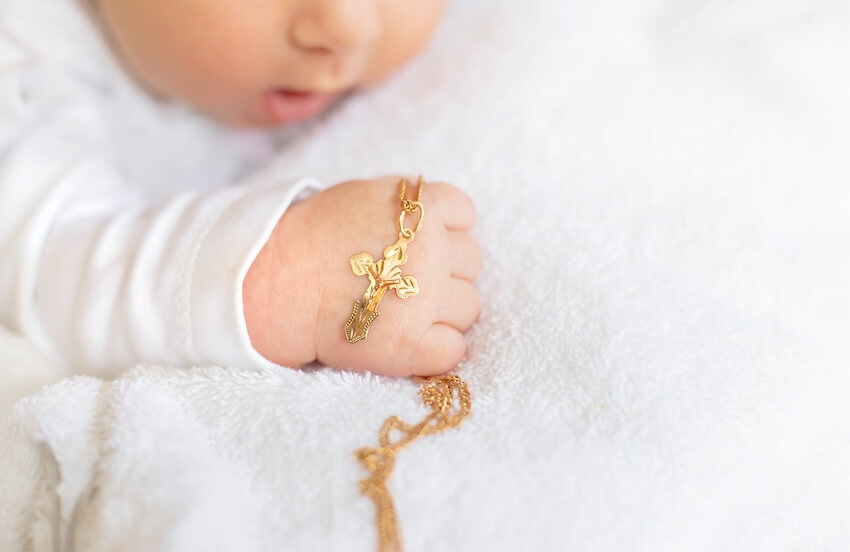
[406, 204]
[439, 393]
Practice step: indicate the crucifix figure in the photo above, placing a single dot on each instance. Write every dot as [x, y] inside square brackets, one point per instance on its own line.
[384, 274]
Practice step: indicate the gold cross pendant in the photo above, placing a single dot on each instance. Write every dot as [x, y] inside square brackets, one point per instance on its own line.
[384, 274]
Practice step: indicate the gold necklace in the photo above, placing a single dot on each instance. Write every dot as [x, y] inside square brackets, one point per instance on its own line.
[385, 273]
[439, 393]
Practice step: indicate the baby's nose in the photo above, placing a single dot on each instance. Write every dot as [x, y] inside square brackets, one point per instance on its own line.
[336, 25]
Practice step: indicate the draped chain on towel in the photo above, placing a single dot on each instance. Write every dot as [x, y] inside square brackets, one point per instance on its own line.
[439, 394]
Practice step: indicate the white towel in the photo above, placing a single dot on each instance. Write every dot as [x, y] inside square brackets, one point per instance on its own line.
[662, 357]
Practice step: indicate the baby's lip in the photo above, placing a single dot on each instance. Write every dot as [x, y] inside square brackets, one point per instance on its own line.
[282, 105]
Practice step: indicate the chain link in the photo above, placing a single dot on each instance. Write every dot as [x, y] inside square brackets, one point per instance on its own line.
[410, 206]
[407, 204]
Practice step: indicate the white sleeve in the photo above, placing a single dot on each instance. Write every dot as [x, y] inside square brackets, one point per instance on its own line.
[94, 273]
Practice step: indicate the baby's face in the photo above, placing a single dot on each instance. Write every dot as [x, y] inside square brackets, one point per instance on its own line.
[266, 62]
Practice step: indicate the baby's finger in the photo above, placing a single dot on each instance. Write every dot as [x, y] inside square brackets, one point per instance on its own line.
[459, 304]
[454, 205]
[442, 348]
[465, 255]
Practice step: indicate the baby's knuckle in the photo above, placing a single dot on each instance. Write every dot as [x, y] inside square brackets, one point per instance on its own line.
[471, 209]
[476, 304]
[476, 257]
[457, 352]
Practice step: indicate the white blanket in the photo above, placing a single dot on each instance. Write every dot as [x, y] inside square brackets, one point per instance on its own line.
[662, 358]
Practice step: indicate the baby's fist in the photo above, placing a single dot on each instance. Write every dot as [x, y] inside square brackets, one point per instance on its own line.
[301, 287]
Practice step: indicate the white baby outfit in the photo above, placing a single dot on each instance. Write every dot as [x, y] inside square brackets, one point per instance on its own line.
[127, 225]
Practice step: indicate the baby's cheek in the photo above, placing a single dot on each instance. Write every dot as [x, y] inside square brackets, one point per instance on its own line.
[408, 25]
[214, 55]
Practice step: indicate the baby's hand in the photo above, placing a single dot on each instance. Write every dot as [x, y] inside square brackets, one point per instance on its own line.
[300, 290]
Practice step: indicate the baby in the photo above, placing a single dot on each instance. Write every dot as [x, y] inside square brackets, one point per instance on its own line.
[103, 271]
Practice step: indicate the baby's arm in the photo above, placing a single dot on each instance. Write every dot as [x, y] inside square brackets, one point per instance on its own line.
[92, 269]
[300, 290]
[95, 271]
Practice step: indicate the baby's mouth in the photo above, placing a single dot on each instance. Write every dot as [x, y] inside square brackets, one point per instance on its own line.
[281, 105]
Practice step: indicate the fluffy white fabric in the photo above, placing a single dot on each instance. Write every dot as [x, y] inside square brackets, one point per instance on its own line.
[662, 357]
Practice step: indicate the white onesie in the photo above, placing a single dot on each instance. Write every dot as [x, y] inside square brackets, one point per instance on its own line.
[127, 225]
